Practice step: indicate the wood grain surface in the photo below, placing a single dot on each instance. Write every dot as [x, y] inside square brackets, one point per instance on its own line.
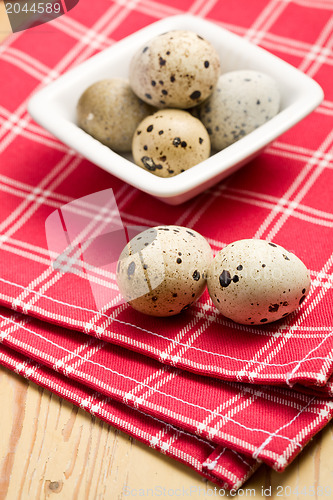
[50, 449]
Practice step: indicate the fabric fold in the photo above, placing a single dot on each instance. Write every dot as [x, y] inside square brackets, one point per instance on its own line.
[230, 469]
[267, 422]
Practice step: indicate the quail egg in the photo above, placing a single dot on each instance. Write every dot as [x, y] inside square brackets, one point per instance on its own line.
[178, 69]
[242, 101]
[162, 270]
[169, 142]
[110, 112]
[256, 282]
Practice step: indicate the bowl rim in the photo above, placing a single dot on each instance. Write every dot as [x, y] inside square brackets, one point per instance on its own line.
[42, 106]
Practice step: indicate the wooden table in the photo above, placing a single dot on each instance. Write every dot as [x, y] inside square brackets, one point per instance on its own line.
[51, 449]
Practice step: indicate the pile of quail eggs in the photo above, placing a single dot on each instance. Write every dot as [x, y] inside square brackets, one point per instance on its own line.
[176, 106]
[164, 270]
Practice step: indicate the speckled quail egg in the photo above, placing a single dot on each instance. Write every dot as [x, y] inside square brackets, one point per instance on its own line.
[162, 270]
[178, 69]
[169, 142]
[256, 282]
[242, 101]
[110, 112]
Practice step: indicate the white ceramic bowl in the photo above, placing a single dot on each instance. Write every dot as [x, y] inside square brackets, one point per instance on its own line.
[54, 107]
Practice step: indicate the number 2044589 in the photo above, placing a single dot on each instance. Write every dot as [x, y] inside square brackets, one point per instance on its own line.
[37, 8]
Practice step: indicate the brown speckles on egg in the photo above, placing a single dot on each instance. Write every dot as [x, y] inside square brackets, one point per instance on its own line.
[225, 278]
[150, 164]
[131, 269]
[196, 94]
[196, 275]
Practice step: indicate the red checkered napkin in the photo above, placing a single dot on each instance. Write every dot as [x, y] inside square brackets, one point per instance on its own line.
[225, 467]
[285, 195]
[266, 423]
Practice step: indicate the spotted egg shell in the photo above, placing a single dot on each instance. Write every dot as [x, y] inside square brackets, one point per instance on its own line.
[177, 69]
[162, 270]
[169, 142]
[242, 101]
[109, 111]
[256, 282]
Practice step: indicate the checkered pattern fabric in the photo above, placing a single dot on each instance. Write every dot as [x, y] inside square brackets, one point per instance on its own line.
[269, 423]
[285, 195]
[221, 465]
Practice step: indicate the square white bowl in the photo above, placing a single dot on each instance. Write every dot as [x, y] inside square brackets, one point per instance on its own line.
[54, 107]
